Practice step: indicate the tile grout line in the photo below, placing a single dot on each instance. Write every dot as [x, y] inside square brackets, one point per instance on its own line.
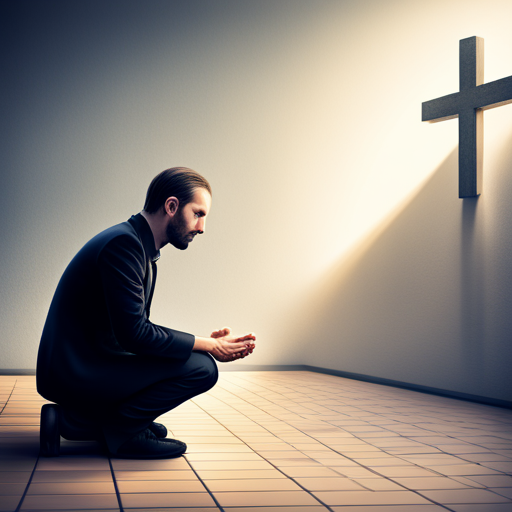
[274, 466]
[205, 486]
[28, 485]
[35, 465]
[9, 397]
[118, 494]
[365, 467]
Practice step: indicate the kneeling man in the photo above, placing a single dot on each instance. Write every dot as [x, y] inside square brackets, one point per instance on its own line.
[110, 370]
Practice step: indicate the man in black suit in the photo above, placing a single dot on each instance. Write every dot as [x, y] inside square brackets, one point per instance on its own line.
[109, 368]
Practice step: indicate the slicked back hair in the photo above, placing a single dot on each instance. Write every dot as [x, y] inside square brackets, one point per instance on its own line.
[179, 182]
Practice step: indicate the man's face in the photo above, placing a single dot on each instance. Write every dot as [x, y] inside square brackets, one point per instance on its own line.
[189, 220]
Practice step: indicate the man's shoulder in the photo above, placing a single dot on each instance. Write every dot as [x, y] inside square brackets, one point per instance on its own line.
[119, 235]
[122, 229]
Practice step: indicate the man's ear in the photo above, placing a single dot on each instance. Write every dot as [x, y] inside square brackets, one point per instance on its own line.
[171, 205]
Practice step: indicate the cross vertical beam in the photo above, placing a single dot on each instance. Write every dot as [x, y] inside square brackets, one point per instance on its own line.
[468, 105]
[471, 126]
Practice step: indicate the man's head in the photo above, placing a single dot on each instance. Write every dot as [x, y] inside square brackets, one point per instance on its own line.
[178, 182]
[181, 198]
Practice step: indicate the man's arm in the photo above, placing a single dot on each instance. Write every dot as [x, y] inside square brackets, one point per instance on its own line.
[121, 267]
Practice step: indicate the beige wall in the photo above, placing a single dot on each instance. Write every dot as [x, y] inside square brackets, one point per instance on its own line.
[336, 233]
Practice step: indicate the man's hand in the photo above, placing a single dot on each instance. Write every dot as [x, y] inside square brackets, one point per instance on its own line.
[230, 348]
[224, 347]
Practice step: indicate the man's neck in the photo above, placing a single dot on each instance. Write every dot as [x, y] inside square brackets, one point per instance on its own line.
[157, 226]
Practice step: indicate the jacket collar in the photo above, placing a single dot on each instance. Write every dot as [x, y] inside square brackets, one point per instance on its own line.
[146, 235]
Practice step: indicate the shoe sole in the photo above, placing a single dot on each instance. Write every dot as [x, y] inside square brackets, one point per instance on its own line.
[148, 456]
[49, 435]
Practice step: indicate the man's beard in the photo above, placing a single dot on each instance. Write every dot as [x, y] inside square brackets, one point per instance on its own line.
[177, 235]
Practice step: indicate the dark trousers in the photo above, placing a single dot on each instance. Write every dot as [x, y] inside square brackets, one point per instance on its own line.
[120, 422]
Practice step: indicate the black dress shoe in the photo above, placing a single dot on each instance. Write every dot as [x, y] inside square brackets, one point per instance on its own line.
[158, 429]
[49, 434]
[147, 446]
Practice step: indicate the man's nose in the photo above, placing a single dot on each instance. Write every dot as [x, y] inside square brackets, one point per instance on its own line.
[201, 224]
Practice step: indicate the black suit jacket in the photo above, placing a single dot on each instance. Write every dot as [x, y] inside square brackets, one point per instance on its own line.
[98, 344]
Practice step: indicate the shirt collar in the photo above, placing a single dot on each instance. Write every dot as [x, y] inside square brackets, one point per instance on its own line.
[146, 235]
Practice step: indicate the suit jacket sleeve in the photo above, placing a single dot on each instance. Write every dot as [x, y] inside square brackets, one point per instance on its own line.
[122, 266]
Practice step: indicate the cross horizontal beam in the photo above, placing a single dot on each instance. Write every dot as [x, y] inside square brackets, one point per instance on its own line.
[485, 96]
[468, 105]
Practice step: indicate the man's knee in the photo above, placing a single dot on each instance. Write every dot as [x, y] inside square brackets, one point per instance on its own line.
[211, 372]
[201, 372]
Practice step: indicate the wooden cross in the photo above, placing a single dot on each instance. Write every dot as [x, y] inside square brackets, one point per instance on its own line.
[468, 105]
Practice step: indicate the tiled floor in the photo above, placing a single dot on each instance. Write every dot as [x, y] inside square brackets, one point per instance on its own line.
[275, 441]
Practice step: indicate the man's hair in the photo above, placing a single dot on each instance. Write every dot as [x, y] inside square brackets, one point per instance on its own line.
[179, 182]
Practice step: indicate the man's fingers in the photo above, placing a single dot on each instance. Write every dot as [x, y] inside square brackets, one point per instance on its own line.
[236, 348]
[221, 332]
[250, 336]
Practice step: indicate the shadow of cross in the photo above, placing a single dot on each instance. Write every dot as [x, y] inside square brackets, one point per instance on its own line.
[468, 105]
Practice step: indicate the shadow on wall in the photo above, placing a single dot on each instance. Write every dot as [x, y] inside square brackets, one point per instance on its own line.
[421, 300]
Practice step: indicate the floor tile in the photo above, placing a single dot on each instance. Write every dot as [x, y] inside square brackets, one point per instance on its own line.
[17, 465]
[464, 470]
[165, 464]
[224, 456]
[230, 465]
[265, 499]
[176, 509]
[9, 503]
[72, 464]
[486, 457]
[406, 471]
[378, 484]
[12, 489]
[464, 496]
[168, 499]
[432, 483]
[71, 488]
[356, 472]
[492, 480]
[502, 491]
[371, 498]
[505, 467]
[155, 475]
[51, 476]
[261, 484]
[311, 508]
[175, 486]
[239, 474]
[329, 484]
[495, 507]
[193, 448]
[15, 477]
[309, 472]
[70, 502]
[391, 508]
